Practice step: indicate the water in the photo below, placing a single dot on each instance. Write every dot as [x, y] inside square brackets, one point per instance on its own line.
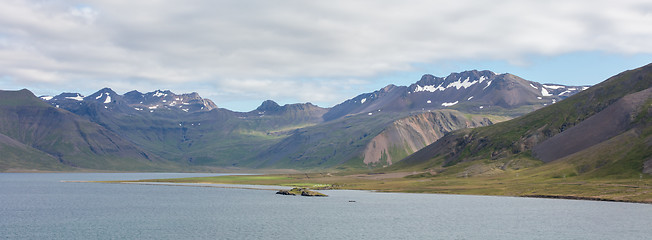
[39, 206]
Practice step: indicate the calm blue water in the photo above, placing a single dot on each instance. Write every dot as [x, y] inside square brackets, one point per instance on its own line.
[39, 206]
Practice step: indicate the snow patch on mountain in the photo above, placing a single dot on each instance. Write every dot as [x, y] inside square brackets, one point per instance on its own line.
[457, 85]
[553, 86]
[545, 93]
[564, 92]
[488, 83]
[462, 84]
[429, 88]
[448, 104]
[159, 94]
[108, 99]
[79, 97]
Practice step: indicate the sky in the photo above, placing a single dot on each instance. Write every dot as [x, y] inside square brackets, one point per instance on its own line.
[239, 53]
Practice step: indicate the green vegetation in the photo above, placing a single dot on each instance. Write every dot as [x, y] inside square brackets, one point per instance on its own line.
[556, 179]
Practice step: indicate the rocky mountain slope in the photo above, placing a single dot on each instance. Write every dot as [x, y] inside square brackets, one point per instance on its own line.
[363, 140]
[605, 131]
[407, 135]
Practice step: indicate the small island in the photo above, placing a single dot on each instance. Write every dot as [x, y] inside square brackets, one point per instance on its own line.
[302, 192]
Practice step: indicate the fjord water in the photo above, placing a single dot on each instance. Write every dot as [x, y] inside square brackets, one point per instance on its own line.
[40, 206]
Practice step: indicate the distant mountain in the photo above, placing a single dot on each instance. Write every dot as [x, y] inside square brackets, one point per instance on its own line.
[603, 131]
[371, 130]
[188, 129]
[45, 136]
[470, 91]
[190, 102]
[156, 101]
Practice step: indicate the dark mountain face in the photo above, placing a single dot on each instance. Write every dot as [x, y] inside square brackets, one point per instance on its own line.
[69, 138]
[611, 118]
[158, 102]
[470, 91]
[269, 106]
[389, 98]
[189, 102]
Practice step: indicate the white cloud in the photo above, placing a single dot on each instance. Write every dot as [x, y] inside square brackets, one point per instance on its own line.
[268, 44]
[86, 14]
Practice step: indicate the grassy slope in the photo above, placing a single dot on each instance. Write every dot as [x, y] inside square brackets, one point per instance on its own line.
[47, 132]
[217, 138]
[518, 136]
[17, 156]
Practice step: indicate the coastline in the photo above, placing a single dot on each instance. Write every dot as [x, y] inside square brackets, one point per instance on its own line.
[162, 182]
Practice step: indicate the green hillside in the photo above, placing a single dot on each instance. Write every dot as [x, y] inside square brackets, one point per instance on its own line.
[35, 133]
[517, 137]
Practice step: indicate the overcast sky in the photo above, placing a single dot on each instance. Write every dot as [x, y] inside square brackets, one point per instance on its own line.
[239, 52]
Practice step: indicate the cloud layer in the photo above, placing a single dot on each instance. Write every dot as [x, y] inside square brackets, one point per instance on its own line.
[299, 50]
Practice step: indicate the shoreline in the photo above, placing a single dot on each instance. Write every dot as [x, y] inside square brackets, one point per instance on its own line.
[567, 197]
[278, 188]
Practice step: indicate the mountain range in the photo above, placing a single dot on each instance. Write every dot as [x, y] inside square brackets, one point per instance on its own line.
[163, 131]
[604, 131]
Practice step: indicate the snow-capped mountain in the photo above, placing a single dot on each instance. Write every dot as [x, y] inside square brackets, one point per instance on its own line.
[156, 101]
[159, 100]
[474, 91]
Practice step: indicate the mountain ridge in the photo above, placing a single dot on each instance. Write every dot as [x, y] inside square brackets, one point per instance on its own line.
[192, 131]
[53, 133]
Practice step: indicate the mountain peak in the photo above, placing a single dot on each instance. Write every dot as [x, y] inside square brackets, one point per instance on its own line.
[158, 93]
[268, 105]
[389, 88]
[23, 96]
[104, 95]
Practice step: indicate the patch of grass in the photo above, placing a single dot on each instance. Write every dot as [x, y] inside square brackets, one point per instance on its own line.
[513, 177]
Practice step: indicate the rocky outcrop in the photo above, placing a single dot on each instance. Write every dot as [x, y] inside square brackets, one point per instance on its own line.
[301, 191]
